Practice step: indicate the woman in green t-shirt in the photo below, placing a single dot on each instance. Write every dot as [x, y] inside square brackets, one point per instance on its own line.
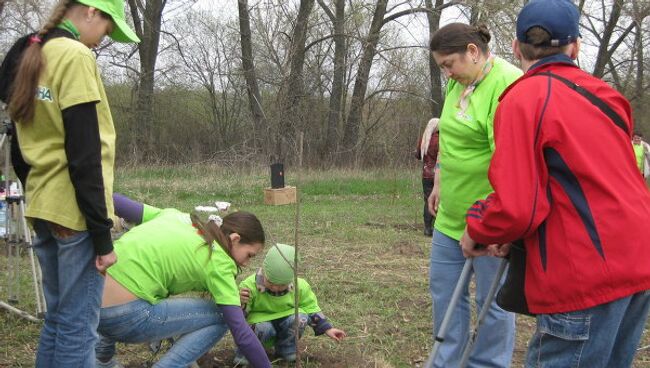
[170, 253]
[476, 80]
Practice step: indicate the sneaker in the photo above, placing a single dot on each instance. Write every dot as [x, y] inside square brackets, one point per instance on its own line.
[428, 232]
[240, 361]
[291, 357]
[113, 363]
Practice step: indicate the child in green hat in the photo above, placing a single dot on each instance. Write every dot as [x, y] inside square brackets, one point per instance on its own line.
[268, 300]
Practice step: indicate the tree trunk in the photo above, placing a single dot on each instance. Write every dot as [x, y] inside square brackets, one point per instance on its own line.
[338, 79]
[252, 88]
[147, 28]
[353, 122]
[437, 97]
[604, 52]
[293, 94]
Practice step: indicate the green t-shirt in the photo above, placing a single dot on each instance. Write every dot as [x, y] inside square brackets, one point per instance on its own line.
[70, 78]
[166, 256]
[262, 306]
[466, 146]
[640, 156]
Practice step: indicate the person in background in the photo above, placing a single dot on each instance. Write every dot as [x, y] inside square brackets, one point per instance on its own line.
[582, 213]
[427, 152]
[642, 153]
[268, 299]
[169, 253]
[63, 152]
[476, 80]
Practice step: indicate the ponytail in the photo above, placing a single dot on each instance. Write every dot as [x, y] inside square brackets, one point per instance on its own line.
[23, 89]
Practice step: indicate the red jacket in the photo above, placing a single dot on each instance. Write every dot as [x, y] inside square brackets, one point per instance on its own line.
[565, 181]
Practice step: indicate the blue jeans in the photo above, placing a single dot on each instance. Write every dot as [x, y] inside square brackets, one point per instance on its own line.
[495, 341]
[73, 291]
[603, 336]
[280, 333]
[198, 322]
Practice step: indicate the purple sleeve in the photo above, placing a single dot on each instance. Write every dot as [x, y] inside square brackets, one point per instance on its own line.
[127, 208]
[244, 337]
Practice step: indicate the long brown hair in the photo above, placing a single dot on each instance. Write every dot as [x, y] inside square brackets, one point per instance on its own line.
[454, 38]
[23, 89]
[247, 225]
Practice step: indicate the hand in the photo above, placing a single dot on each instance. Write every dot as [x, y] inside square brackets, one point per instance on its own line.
[499, 250]
[434, 200]
[470, 247]
[102, 263]
[244, 295]
[335, 334]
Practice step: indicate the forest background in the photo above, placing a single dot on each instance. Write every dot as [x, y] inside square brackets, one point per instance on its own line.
[314, 83]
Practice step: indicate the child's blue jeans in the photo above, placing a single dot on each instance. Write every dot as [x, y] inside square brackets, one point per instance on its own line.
[281, 334]
[72, 287]
[198, 322]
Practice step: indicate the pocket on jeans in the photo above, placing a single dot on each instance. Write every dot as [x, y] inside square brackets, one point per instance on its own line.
[572, 326]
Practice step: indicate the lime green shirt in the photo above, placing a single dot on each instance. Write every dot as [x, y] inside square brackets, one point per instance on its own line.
[262, 306]
[640, 156]
[166, 256]
[466, 146]
[70, 78]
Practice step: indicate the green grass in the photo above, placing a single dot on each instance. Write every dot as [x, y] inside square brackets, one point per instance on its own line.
[361, 247]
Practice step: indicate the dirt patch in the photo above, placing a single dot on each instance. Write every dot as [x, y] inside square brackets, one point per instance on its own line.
[406, 248]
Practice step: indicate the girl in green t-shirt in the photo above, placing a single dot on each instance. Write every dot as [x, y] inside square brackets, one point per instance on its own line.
[63, 153]
[170, 253]
[268, 298]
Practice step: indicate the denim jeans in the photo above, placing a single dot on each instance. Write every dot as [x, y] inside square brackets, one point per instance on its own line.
[280, 333]
[495, 341]
[603, 336]
[73, 290]
[198, 322]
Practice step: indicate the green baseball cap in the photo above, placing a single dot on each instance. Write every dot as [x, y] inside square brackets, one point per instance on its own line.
[114, 8]
[278, 264]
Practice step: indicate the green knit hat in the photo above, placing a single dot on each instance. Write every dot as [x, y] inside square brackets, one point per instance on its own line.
[278, 264]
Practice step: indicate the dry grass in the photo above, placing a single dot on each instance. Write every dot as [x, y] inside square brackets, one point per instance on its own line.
[362, 251]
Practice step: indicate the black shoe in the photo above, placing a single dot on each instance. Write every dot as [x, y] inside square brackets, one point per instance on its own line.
[428, 232]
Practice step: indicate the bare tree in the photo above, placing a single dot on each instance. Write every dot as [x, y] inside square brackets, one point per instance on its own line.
[335, 111]
[248, 65]
[147, 19]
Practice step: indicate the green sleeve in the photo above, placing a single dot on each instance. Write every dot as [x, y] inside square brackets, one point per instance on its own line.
[308, 301]
[150, 212]
[221, 283]
[250, 284]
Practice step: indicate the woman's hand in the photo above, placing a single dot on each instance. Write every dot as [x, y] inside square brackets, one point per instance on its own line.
[335, 334]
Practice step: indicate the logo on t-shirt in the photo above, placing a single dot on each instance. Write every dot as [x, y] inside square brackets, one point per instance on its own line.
[44, 94]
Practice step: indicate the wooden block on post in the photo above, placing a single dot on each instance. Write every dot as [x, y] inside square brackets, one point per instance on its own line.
[280, 196]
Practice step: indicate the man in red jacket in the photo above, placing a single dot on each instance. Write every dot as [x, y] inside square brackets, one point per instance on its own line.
[566, 183]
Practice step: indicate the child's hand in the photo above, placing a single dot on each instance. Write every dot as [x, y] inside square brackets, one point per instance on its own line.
[244, 296]
[335, 334]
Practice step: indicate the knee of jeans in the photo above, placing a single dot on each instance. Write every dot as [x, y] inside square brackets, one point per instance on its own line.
[303, 320]
[264, 330]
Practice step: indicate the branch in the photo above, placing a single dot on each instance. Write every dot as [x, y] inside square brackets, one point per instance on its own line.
[419, 10]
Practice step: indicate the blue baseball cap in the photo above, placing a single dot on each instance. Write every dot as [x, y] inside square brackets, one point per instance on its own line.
[558, 17]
